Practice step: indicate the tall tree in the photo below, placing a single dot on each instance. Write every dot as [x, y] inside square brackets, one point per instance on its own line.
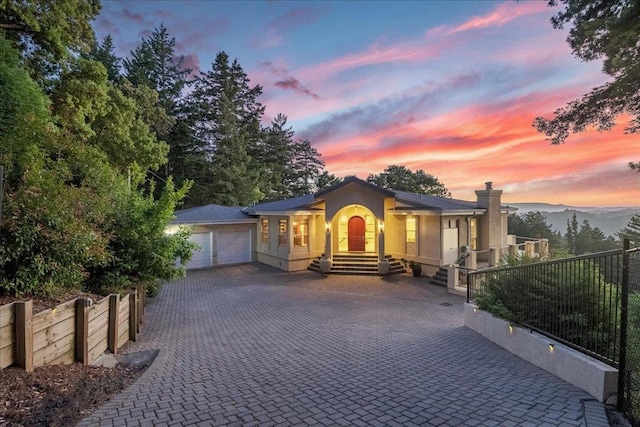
[572, 232]
[401, 178]
[226, 119]
[305, 169]
[326, 180]
[154, 63]
[592, 239]
[105, 53]
[631, 231]
[607, 30]
[47, 32]
[272, 157]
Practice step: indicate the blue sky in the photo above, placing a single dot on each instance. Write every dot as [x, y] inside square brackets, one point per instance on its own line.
[450, 87]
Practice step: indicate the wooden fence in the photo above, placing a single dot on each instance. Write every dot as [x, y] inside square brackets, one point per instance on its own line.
[75, 331]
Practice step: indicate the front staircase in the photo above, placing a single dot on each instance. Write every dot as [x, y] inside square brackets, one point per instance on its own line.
[440, 278]
[358, 264]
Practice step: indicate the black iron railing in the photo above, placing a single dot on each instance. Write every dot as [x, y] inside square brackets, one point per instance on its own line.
[590, 303]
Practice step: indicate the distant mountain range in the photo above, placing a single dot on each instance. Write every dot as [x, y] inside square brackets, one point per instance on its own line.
[609, 219]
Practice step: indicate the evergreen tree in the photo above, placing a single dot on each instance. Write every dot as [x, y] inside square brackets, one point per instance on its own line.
[326, 180]
[226, 117]
[274, 158]
[306, 167]
[631, 231]
[155, 64]
[104, 52]
[233, 182]
[572, 232]
[592, 239]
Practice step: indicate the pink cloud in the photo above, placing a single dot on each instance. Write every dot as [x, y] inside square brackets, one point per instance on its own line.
[501, 15]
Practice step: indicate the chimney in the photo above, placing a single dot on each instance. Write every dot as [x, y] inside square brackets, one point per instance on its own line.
[490, 224]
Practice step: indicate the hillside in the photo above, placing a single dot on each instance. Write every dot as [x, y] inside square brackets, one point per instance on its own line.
[609, 220]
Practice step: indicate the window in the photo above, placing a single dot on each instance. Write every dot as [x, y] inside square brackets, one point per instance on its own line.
[282, 232]
[411, 230]
[301, 232]
[264, 231]
[473, 238]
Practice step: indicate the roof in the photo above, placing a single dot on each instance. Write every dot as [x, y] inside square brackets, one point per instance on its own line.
[426, 201]
[217, 214]
[294, 203]
[354, 180]
[211, 214]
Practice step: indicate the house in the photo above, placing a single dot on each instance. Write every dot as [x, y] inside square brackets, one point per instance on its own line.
[352, 217]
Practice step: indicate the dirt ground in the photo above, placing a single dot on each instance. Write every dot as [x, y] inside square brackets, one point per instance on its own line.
[59, 395]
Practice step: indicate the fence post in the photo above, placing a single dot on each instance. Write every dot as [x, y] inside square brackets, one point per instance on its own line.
[529, 249]
[513, 250]
[494, 256]
[114, 311]
[82, 331]
[133, 315]
[24, 334]
[544, 248]
[624, 313]
[139, 309]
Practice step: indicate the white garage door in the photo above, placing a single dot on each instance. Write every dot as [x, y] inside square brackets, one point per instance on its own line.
[234, 247]
[201, 258]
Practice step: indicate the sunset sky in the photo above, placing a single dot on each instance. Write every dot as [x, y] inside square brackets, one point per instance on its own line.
[450, 87]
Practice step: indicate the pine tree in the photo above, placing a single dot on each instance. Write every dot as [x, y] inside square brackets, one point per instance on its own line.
[306, 167]
[155, 64]
[631, 231]
[274, 157]
[226, 118]
[572, 232]
[104, 52]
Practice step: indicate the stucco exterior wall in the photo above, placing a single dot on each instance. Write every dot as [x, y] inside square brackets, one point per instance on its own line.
[354, 194]
[290, 257]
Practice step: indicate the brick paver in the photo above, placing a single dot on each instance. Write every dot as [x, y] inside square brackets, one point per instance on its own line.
[250, 345]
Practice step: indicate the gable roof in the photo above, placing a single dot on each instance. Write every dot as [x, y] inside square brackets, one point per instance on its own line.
[354, 180]
[211, 214]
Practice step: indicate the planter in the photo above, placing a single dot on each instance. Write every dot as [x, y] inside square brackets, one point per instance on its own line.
[383, 267]
[325, 265]
[416, 268]
[594, 377]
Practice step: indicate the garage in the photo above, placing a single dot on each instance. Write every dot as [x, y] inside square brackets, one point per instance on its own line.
[202, 258]
[234, 247]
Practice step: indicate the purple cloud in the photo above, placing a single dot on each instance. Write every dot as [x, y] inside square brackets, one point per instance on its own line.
[291, 83]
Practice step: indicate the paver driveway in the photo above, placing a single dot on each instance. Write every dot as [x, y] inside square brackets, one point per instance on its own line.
[250, 345]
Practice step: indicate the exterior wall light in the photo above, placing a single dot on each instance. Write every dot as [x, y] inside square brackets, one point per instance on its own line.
[381, 226]
[551, 348]
[510, 329]
[327, 227]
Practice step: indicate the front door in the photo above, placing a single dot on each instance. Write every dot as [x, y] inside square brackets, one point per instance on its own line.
[356, 234]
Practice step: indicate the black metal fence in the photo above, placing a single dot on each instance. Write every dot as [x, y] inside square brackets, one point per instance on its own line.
[590, 303]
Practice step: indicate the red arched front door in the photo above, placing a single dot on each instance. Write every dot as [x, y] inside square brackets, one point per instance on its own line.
[356, 234]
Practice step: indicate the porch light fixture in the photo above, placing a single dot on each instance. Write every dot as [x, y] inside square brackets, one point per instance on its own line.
[327, 227]
[381, 226]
